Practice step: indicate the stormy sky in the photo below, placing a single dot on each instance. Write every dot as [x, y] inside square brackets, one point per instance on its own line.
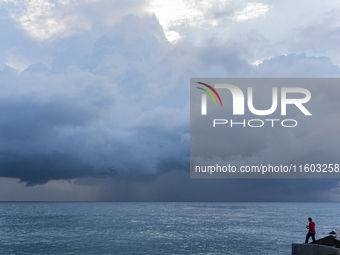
[94, 102]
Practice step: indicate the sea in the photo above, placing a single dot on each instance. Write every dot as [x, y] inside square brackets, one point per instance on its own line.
[160, 228]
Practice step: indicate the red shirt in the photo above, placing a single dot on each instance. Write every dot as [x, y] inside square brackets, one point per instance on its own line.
[312, 227]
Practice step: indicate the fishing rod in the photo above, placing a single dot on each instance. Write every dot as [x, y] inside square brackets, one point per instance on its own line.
[295, 219]
[319, 225]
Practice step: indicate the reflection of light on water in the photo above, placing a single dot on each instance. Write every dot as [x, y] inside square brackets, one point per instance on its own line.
[156, 228]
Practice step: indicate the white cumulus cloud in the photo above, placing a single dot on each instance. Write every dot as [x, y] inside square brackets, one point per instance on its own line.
[251, 11]
[187, 13]
[43, 19]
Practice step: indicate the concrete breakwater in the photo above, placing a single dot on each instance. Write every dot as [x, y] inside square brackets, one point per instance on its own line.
[313, 249]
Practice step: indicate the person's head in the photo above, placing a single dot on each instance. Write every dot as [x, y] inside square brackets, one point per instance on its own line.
[309, 219]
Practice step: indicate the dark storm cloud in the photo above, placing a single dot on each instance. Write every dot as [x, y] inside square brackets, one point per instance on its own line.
[105, 115]
[119, 108]
[176, 186]
[39, 169]
[115, 103]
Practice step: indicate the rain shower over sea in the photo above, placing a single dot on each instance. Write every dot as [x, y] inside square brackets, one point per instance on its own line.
[159, 228]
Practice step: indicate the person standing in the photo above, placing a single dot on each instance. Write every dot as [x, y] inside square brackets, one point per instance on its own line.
[311, 230]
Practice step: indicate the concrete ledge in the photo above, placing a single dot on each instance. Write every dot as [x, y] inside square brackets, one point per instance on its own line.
[313, 249]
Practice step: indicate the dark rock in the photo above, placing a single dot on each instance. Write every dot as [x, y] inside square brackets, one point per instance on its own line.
[328, 240]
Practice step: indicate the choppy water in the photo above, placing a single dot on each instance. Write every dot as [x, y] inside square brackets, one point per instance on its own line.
[159, 228]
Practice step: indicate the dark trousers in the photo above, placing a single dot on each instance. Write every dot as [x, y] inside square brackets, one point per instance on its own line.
[310, 235]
